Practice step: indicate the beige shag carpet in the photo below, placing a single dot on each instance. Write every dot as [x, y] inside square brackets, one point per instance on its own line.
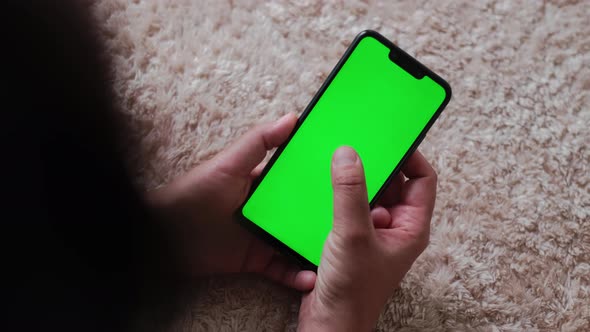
[510, 247]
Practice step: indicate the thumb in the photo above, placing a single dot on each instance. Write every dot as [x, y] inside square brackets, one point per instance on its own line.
[351, 205]
[248, 151]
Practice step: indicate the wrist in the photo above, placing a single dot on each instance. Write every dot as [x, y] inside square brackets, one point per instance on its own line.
[317, 317]
[337, 323]
[166, 205]
[161, 199]
[167, 201]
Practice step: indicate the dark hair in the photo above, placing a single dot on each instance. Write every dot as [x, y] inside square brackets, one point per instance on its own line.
[83, 248]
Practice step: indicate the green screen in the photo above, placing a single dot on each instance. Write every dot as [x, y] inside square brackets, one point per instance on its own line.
[372, 105]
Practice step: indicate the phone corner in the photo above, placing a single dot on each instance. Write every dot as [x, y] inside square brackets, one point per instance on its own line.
[448, 91]
[368, 33]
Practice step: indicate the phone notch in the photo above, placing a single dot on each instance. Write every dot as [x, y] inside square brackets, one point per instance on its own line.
[407, 63]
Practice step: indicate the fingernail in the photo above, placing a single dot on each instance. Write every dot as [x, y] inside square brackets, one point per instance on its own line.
[282, 119]
[344, 156]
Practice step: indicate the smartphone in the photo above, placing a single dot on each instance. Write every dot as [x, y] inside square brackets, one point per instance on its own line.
[378, 100]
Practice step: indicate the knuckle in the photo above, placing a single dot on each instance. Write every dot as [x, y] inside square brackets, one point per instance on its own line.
[355, 238]
[349, 177]
[348, 193]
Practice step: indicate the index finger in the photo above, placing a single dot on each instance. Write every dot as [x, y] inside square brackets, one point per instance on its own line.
[420, 189]
[242, 156]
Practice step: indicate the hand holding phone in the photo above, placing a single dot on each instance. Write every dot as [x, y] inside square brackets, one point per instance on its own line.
[367, 254]
[379, 101]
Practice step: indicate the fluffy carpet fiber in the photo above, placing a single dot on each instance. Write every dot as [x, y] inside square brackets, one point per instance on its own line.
[510, 246]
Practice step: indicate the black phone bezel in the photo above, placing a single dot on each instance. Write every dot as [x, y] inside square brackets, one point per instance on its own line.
[416, 68]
